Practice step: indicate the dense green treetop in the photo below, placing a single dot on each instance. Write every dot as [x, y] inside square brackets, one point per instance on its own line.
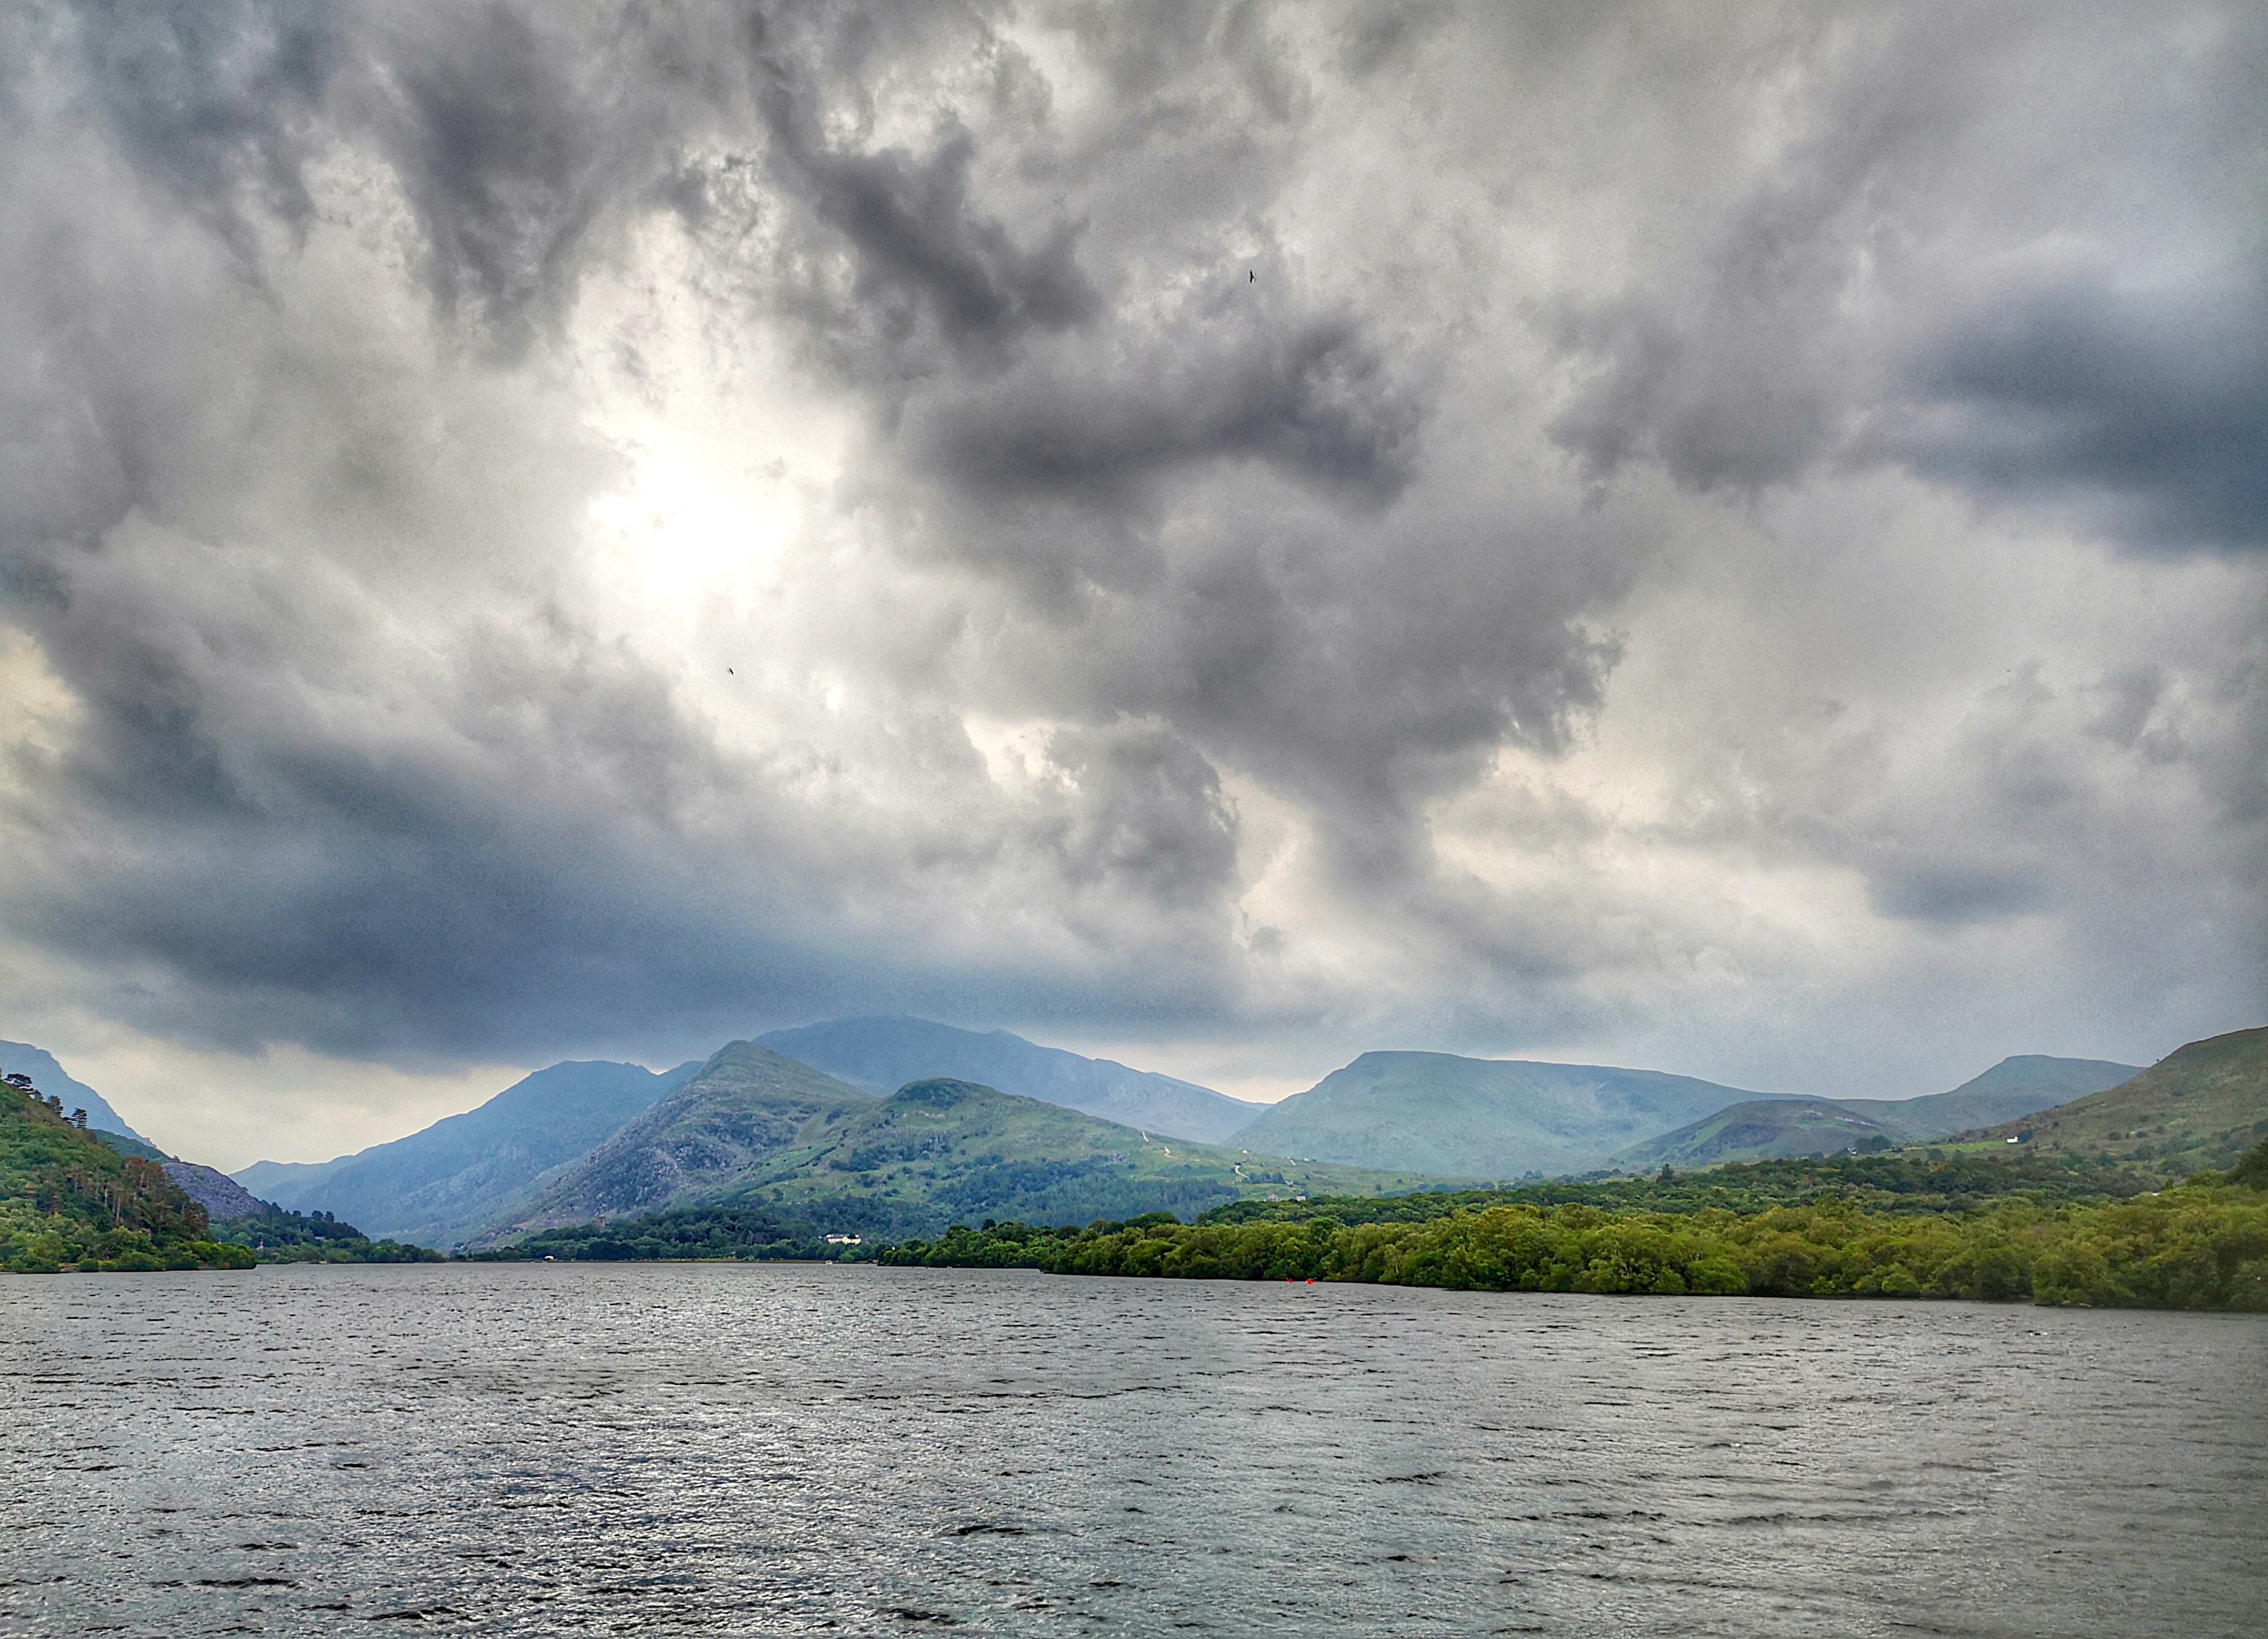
[2201, 1246]
[1909, 1182]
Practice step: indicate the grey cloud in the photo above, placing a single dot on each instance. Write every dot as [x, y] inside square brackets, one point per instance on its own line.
[1150, 814]
[1317, 401]
[505, 137]
[1728, 409]
[1814, 323]
[1931, 892]
[510, 140]
[367, 746]
[212, 100]
[518, 133]
[917, 238]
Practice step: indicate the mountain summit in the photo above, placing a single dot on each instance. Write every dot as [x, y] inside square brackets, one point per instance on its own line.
[882, 1055]
[745, 1105]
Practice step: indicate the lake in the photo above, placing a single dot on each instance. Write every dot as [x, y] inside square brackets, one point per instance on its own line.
[751, 1448]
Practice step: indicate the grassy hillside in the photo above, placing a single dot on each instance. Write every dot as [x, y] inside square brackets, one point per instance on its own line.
[1762, 1129]
[69, 1200]
[2019, 1086]
[2201, 1106]
[1480, 1117]
[127, 1144]
[745, 1105]
[882, 1055]
[440, 1184]
[942, 1150]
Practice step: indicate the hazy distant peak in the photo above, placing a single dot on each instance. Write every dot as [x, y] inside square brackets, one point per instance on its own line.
[439, 1184]
[1442, 1113]
[2030, 1066]
[882, 1054]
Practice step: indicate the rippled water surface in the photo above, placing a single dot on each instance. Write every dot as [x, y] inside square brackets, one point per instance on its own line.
[721, 1449]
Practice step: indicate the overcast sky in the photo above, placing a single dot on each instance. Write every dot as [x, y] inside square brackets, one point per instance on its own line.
[1721, 538]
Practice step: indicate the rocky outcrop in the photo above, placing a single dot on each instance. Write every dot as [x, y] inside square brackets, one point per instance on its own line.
[220, 1195]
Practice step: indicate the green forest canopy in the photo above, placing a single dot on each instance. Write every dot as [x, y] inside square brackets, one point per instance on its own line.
[2203, 1244]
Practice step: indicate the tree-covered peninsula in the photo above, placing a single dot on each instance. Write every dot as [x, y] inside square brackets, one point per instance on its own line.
[2201, 1244]
[72, 1198]
[67, 1201]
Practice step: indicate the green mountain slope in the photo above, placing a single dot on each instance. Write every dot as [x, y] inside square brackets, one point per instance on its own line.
[745, 1104]
[68, 1199]
[882, 1055]
[941, 1151]
[1480, 1117]
[439, 1186]
[21, 1058]
[127, 1144]
[2014, 1087]
[1762, 1129]
[2201, 1106]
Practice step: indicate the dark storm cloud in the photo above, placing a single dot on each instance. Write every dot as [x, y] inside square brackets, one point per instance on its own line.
[1151, 813]
[1240, 400]
[513, 848]
[2155, 403]
[918, 238]
[1933, 892]
[1318, 403]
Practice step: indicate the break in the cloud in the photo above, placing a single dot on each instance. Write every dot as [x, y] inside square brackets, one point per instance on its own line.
[544, 529]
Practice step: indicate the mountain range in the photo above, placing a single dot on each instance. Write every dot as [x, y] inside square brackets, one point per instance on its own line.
[754, 1128]
[824, 1132]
